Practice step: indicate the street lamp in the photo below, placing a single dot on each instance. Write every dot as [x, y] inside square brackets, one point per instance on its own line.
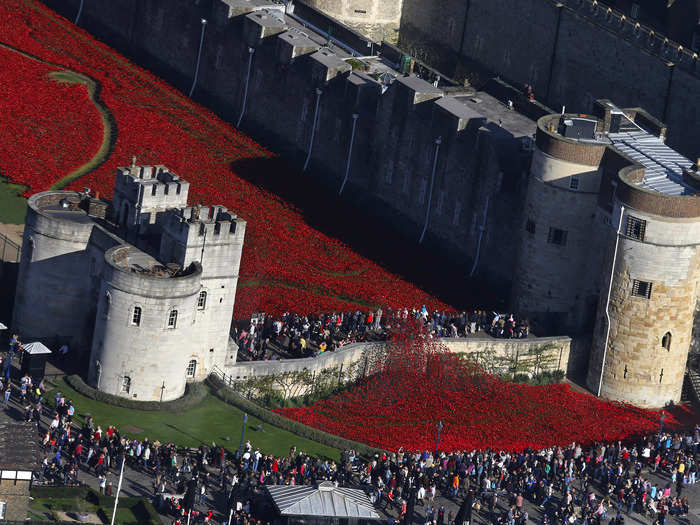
[437, 441]
[199, 56]
[245, 420]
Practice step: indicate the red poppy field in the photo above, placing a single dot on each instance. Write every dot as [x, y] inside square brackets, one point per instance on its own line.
[51, 128]
[422, 384]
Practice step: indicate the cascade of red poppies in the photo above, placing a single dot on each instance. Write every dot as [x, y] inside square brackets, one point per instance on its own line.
[287, 264]
[420, 384]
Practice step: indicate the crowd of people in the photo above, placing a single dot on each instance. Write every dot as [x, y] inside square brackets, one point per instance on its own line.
[292, 335]
[600, 483]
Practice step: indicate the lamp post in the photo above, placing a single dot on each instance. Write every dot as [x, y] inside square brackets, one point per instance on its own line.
[437, 441]
[245, 420]
[199, 56]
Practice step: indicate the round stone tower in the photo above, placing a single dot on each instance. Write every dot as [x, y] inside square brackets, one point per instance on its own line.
[52, 302]
[144, 324]
[376, 19]
[648, 288]
[553, 282]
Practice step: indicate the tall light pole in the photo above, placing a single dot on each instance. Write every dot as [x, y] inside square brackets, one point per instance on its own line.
[245, 420]
[437, 441]
[119, 488]
[199, 56]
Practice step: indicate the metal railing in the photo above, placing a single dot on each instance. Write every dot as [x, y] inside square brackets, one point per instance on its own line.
[636, 33]
[10, 250]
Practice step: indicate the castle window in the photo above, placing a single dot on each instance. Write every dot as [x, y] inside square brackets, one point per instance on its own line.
[557, 236]
[191, 368]
[136, 316]
[530, 227]
[154, 188]
[458, 210]
[574, 182]
[126, 384]
[666, 341]
[634, 11]
[635, 228]
[172, 319]
[361, 11]
[202, 300]
[107, 304]
[641, 289]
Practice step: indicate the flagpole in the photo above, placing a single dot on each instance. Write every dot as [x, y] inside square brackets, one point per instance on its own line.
[119, 487]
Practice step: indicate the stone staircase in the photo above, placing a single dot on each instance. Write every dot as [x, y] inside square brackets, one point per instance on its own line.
[691, 386]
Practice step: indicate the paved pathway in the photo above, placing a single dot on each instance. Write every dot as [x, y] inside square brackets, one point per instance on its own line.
[139, 484]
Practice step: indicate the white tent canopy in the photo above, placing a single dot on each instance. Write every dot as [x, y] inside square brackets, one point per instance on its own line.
[324, 500]
[36, 348]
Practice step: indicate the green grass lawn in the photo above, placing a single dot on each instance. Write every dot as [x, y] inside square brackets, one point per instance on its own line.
[13, 207]
[211, 420]
[48, 501]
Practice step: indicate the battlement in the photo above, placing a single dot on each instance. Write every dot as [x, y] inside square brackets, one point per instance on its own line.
[150, 181]
[195, 225]
[635, 33]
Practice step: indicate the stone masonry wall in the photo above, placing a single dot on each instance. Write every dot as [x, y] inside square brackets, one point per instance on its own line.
[572, 52]
[391, 143]
[637, 368]
[376, 19]
[357, 352]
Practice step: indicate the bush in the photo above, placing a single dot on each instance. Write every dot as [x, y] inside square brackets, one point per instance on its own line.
[40, 492]
[521, 378]
[194, 394]
[305, 431]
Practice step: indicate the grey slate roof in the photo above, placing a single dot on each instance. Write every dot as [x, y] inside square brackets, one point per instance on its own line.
[19, 444]
[324, 500]
[664, 166]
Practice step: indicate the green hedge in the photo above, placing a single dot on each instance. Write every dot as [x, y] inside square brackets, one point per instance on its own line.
[40, 492]
[194, 394]
[227, 395]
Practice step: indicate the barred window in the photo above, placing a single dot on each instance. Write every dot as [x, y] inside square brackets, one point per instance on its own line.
[557, 236]
[641, 289]
[126, 384]
[191, 368]
[172, 319]
[530, 226]
[635, 228]
[574, 182]
[136, 316]
[202, 300]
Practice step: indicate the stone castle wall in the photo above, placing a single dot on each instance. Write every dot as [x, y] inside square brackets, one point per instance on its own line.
[357, 352]
[394, 143]
[637, 368]
[572, 52]
[376, 19]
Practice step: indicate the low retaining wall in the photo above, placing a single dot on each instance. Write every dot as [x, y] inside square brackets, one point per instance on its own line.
[556, 358]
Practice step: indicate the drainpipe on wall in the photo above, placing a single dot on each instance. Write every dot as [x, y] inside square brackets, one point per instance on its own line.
[199, 56]
[607, 303]
[355, 116]
[251, 50]
[482, 229]
[313, 129]
[438, 141]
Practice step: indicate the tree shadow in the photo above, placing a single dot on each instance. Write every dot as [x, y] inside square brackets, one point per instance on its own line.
[368, 233]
